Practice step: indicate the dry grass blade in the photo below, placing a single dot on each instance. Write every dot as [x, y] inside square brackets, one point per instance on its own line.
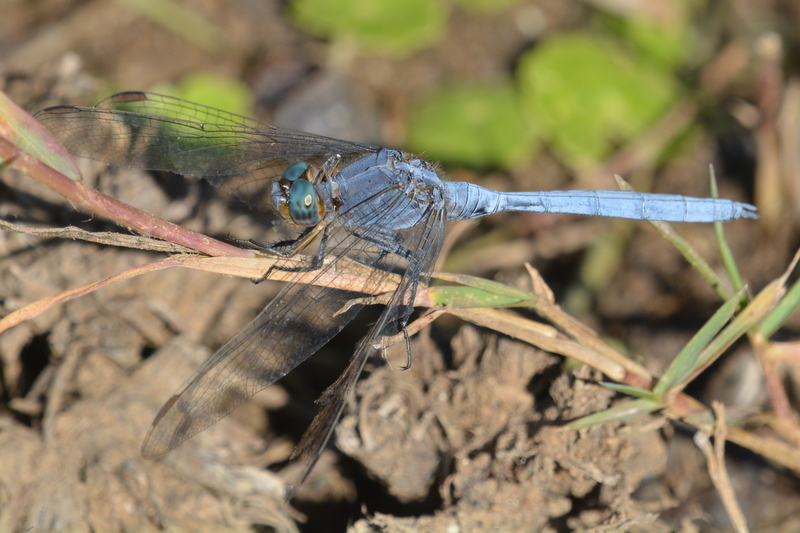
[546, 306]
[109, 238]
[40, 306]
[715, 458]
[540, 335]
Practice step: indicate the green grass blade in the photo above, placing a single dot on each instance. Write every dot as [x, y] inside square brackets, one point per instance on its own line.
[686, 250]
[758, 308]
[687, 362]
[782, 311]
[624, 411]
[724, 249]
[638, 392]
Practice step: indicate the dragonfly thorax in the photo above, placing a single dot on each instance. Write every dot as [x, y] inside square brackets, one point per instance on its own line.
[389, 189]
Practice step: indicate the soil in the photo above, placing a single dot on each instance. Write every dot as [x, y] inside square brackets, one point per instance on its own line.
[472, 437]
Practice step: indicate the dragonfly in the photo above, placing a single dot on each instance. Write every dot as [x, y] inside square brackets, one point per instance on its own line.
[383, 208]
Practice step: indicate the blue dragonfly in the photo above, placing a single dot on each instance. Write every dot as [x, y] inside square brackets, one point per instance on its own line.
[382, 208]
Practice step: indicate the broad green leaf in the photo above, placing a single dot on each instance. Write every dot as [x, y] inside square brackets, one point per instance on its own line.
[213, 90]
[667, 42]
[488, 6]
[25, 132]
[472, 125]
[390, 27]
[664, 38]
[586, 95]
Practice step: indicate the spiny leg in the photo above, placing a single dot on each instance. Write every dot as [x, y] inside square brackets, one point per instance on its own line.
[408, 348]
[389, 244]
[327, 168]
[294, 246]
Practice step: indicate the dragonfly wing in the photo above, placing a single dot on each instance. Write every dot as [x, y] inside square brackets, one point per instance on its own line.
[294, 325]
[170, 107]
[276, 341]
[425, 242]
[156, 132]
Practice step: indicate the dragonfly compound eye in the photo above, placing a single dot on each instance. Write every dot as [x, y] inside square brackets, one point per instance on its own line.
[295, 171]
[305, 207]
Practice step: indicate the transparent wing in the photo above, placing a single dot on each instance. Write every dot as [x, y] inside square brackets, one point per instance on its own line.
[157, 132]
[294, 325]
[241, 155]
[300, 320]
[424, 241]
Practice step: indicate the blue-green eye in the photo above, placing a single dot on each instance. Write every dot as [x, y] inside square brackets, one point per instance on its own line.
[294, 171]
[304, 206]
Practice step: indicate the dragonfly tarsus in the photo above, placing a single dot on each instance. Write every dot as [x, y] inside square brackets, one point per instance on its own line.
[408, 350]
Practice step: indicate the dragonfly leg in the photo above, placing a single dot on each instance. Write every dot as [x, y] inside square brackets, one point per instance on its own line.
[405, 309]
[316, 259]
[255, 245]
[287, 248]
[327, 168]
[408, 309]
[408, 350]
[388, 244]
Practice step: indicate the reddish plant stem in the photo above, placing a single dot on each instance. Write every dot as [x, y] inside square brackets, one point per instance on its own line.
[111, 208]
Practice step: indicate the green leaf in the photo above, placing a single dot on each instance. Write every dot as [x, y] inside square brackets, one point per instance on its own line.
[664, 38]
[667, 42]
[586, 95]
[472, 125]
[213, 90]
[390, 27]
[488, 6]
[466, 297]
[25, 132]
[756, 310]
[476, 292]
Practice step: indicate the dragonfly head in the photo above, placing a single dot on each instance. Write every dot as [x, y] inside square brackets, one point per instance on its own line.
[295, 198]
